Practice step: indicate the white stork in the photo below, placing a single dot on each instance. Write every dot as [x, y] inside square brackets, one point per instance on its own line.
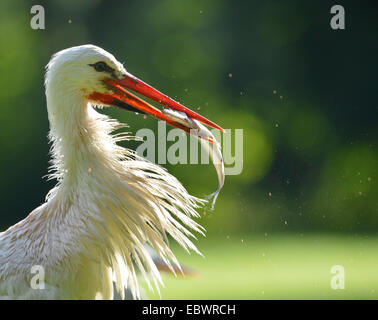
[90, 234]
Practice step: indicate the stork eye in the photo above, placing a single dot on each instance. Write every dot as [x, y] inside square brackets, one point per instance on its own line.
[101, 67]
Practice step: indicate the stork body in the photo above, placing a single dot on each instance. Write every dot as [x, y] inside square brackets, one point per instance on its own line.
[90, 233]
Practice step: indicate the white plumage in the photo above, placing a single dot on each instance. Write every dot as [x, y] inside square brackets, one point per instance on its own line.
[90, 233]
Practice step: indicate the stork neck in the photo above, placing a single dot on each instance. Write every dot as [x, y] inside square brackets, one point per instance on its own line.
[79, 137]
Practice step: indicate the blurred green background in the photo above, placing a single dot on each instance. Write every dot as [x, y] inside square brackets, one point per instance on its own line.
[304, 94]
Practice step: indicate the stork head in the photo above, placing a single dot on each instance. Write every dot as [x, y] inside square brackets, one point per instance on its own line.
[97, 76]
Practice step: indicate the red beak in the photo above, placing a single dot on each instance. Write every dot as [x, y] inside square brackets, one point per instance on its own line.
[126, 100]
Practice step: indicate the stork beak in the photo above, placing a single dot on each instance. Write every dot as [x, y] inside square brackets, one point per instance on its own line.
[122, 98]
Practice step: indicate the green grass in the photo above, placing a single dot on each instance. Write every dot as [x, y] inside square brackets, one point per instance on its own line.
[277, 267]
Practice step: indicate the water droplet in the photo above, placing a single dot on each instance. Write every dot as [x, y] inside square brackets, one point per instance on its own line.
[230, 75]
[274, 91]
[89, 170]
[270, 194]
